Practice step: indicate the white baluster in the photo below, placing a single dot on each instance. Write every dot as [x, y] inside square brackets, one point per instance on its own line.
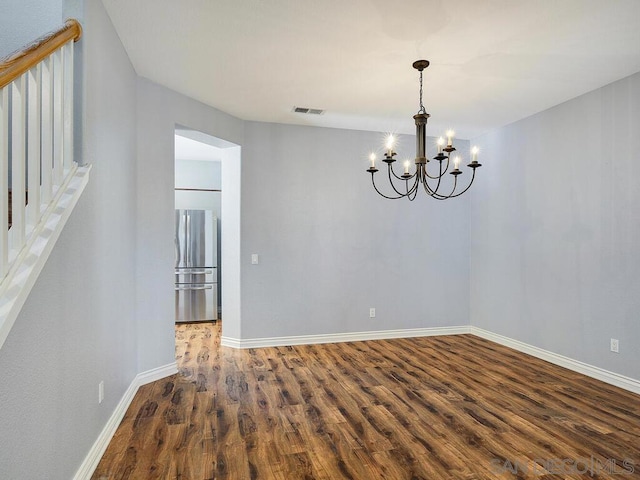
[36, 148]
[18, 148]
[47, 132]
[68, 106]
[33, 148]
[37, 171]
[58, 120]
[4, 180]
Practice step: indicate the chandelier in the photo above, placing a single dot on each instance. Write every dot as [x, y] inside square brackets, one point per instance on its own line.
[408, 184]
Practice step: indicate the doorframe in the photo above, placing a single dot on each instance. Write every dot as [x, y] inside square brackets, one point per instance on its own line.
[230, 155]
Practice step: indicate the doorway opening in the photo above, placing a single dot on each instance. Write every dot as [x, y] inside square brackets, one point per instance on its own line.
[207, 203]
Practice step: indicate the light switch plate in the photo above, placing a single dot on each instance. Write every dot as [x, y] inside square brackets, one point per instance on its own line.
[615, 345]
[101, 391]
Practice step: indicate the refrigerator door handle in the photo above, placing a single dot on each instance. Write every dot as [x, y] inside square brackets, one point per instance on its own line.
[190, 287]
[184, 271]
[187, 236]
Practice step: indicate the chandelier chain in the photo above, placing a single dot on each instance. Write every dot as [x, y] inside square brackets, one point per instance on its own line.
[422, 109]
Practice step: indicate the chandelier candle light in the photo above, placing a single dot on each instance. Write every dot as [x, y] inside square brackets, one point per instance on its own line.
[431, 183]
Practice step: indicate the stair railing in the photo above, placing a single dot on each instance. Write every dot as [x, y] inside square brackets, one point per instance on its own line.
[36, 136]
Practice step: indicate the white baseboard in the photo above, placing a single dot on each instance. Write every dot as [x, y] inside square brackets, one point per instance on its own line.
[598, 373]
[92, 459]
[342, 337]
[156, 374]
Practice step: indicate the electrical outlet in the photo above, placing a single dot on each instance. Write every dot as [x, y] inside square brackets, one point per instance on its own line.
[615, 345]
[101, 391]
[372, 313]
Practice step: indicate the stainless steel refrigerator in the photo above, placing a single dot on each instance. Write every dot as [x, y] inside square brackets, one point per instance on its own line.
[196, 266]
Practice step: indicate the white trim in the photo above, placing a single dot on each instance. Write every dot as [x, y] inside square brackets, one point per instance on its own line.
[22, 276]
[156, 374]
[92, 459]
[598, 373]
[342, 337]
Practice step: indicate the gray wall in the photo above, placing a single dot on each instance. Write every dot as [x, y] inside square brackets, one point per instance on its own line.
[23, 21]
[78, 325]
[555, 227]
[330, 248]
[159, 111]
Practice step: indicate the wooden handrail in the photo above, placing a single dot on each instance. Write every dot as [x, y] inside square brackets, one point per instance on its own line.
[21, 61]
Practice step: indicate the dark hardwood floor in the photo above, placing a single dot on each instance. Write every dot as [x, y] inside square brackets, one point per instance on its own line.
[450, 407]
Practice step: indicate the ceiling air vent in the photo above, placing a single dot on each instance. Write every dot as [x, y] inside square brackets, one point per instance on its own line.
[309, 111]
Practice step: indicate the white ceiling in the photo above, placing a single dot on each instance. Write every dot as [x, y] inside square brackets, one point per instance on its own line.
[492, 61]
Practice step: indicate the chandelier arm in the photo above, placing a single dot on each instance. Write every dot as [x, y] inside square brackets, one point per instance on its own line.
[434, 177]
[427, 188]
[445, 197]
[439, 197]
[423, 178]
[393, 185]
[434, 194]
[411, 192]
[382, 194]
[429, 191]
[473, 176]
[394, 173]
[414, 187]
[455, 185]
[434, 191]
[424, 181]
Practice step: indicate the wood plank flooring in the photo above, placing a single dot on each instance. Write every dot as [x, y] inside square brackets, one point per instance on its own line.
[450, 407]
